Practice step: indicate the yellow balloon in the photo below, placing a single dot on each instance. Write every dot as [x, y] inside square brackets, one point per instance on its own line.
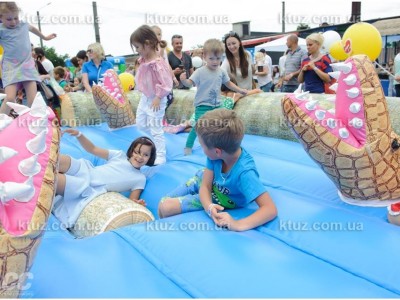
[362, 38]
[127, 81]
[337, 51]
[1, 50]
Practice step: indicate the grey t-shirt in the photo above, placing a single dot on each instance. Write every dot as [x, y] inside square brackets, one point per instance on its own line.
[208, 83]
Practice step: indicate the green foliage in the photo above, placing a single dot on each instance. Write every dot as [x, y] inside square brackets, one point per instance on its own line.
[56, 59]
[302, 26]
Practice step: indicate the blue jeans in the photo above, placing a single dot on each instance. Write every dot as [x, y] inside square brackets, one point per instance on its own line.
[267, 87]
[289, 88]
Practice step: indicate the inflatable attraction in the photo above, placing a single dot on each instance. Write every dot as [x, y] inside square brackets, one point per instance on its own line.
[331, 167]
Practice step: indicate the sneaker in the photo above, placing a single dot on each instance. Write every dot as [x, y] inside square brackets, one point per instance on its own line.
[187, 151]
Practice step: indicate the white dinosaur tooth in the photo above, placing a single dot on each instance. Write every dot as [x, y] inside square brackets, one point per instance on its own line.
[113, 94]
[356, 123]
[343, 133]
[334, 87]
[332, 111]
[5, 121]
[20, 109]
[25, 197]
[302, 96]
[350, 80]
[109, 91]
[38, 125]
[114, 84]
[331, 98]
[335, 74]
[39, 107]
[30, 166]
[116, 90]
[12, 190]
[37, 145]
[331, 123]
[355, 107]
[6, 153]
[343, 67]
[298, 90]
[119, 95]
[311, 105]
[320, 114]
[353, 92]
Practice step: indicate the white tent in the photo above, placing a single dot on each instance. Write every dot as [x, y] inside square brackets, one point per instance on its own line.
[279, 45]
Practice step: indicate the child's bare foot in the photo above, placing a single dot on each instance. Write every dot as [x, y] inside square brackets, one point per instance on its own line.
[187, 151]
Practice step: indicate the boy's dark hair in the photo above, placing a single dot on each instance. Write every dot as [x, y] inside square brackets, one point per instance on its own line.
[143, 140]
[74, 61]
[39, 52]
[221, 128]
[82, 55]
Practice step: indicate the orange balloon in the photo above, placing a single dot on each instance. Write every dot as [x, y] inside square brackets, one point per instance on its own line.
[337, 51]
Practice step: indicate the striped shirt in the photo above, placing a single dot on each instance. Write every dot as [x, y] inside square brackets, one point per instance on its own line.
[293, 63]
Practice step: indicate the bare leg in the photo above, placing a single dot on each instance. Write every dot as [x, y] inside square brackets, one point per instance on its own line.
[169, 207]
[60, 184]
[64, 163]
[30, 90]
[11, 92]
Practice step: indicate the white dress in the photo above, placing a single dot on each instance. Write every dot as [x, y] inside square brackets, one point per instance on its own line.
[84, 182]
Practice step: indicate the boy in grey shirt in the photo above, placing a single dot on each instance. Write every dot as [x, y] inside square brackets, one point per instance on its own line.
[208, 80]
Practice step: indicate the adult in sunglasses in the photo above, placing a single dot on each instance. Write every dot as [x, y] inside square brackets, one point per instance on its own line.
[179, 61]
[94, 69]
[238, 62]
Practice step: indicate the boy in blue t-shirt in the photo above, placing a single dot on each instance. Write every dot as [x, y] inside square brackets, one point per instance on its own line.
[230, 179]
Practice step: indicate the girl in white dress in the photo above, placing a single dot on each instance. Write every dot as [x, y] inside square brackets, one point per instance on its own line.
[79, 182]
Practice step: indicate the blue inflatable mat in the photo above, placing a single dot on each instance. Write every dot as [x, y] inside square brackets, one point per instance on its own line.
[318, 246]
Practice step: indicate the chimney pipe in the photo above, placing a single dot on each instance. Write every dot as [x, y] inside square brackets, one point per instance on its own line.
[355, 12]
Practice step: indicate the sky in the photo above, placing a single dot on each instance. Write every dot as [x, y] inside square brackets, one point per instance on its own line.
[196, 21]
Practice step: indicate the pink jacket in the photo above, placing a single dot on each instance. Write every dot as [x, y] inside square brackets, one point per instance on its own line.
[154, 78]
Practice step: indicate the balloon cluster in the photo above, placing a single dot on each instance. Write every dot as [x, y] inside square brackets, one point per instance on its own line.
[359, 38]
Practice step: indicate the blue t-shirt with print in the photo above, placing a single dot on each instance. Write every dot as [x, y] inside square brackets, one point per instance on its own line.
[240, 186]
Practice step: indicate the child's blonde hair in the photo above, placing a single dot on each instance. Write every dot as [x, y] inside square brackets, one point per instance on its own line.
[221, 128]
[316, 37]
[259, 56]
[144, 35]
[213, 46]
[98, 49]
[6, 7]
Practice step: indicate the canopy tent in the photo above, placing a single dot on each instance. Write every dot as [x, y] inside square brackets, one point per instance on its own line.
[279, 45]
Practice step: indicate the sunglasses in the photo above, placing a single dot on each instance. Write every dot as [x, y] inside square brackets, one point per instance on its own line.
[230, 34]
[89, 51]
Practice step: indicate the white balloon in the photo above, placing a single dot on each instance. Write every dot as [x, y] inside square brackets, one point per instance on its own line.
[197, 62]
[330, 37]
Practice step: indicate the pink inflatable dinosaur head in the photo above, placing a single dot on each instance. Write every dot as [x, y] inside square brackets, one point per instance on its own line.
[354, 144]
[112, 101]
[28, 160]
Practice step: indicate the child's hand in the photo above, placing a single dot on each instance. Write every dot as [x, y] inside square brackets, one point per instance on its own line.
[225, 220]
[50, 37]
[71, 131]
[140, 201]
[156, 104]
[243, 92]
[176, 82]
[183, 76]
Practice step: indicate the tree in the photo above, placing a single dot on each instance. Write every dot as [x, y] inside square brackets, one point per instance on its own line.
[57, 60]
[303, 26]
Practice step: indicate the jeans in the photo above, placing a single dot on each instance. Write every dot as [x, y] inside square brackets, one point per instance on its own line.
[289, 88]
[267, 87]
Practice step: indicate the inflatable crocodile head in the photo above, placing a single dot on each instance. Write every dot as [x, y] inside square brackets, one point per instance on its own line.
[28, 162]
[354, 144]
[112, 101]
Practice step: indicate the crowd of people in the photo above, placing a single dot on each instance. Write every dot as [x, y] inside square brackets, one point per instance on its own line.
[230, 168]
